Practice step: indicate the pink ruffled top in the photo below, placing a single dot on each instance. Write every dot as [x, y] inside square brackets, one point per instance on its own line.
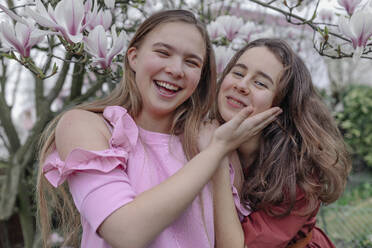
[103, 181]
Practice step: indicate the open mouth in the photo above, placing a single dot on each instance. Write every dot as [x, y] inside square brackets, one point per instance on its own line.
[235, 103]
[166, 88]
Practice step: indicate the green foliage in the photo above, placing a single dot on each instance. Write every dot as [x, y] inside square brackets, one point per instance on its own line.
[356, 121]
[356, 195]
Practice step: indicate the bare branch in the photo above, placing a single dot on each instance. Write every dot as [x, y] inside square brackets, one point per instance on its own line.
[9, 128]
[290, 15]
[60, 81]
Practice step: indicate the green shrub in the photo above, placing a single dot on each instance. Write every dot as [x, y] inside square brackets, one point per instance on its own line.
[356, 121]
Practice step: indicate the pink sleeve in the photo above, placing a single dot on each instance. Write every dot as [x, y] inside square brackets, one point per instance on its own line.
[98, 181]
[242, 211]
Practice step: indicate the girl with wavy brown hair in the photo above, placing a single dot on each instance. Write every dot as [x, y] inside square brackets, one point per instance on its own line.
[133, 176]
[290, 168]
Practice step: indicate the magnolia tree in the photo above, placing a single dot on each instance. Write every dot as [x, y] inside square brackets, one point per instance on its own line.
[55, 54]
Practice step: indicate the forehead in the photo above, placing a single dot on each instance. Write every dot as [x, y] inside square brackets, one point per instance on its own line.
[180, 35]
[263, 60]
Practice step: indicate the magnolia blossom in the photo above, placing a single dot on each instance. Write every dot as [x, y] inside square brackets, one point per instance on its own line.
[66, 18]
[21, 37]
[94, 18]
[358, 28]
[247, 30]
[349, 5]
[214, 30]
[110, 3]
[326, 15]
[96, 45]
[230, 25]
[223, 56]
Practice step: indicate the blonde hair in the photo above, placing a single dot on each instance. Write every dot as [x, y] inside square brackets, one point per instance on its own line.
[186, 121]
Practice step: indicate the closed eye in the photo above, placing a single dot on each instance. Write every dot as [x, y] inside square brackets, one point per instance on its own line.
[238, 74]
[193, 63]
[162, 52]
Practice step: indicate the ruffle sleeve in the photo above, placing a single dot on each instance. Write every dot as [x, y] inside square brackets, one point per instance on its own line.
[98, 180]
[242, 211]
[123, 139]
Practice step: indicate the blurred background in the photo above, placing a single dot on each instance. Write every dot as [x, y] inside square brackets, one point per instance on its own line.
[46, 67]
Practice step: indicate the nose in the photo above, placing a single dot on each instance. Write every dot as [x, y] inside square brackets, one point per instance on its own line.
[175, 68]
[241, 87]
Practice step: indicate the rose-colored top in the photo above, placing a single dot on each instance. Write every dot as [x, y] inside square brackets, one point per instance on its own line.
[263, 230]
[103, 181]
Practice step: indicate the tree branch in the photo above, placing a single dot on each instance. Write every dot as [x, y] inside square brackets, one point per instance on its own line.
[53, 94]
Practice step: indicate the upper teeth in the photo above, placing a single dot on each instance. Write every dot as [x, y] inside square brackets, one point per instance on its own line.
[237, 102]
[167, 85]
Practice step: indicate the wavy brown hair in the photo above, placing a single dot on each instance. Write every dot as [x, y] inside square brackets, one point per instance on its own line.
[302, 151]
[186, 122]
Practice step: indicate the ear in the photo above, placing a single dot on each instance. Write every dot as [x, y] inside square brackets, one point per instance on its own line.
[132, 57]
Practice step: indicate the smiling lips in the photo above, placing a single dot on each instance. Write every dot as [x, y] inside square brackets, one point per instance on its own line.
[166, 89]
[235, 103]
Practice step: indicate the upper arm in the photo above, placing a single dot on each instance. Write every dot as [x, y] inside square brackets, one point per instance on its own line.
[81, 129]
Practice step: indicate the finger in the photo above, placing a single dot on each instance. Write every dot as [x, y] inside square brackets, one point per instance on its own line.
[241, 116]
[258, 122]
[263, 116]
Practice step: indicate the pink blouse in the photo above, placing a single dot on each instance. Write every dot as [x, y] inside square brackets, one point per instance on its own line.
[103, 181]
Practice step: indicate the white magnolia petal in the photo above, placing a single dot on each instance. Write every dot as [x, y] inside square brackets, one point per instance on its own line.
[117, 47]
[9, 37]
[345, 28]
[75, 38]
[102, 41]
[69, 14]
[37, 36]
[357, 23]
[41, 9]
[110, 3]
[88, 6]
[43, 21]
[91, 42]
[12, 14]
[357, 54]
[23, 33]
[106, 19]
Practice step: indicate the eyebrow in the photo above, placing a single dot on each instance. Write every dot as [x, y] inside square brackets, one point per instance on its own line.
[261, 73]
[192, 55]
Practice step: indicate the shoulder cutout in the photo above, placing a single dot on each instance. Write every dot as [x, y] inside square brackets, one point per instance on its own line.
[81, 129]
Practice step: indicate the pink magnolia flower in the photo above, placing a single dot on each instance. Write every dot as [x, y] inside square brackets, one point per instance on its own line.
[94, 18]
[66, 18]
[223, 56]
[21, 37]
[358, 28]
[96, 44]
[214, 30]
[326, 15]
[349, 5]
[230, 25]
[247, 30]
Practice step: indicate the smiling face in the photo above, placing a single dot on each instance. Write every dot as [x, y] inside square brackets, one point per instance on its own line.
[252, 81]
[167, 66]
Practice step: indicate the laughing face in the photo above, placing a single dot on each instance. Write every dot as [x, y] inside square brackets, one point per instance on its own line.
[167, 67]
[252, 81]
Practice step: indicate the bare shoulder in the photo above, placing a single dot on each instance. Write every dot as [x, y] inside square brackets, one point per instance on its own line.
[81, 129]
